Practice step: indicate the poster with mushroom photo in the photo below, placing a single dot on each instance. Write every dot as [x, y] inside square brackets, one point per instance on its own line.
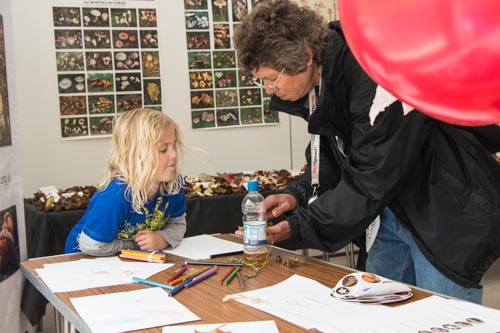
[107, 62]
[5, 130]
[9, 243]
[221, 95]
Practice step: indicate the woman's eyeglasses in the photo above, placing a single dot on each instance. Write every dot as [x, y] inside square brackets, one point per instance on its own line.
[273, 88]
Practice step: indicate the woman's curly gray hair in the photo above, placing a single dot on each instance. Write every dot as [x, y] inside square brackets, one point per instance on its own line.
[276, 34]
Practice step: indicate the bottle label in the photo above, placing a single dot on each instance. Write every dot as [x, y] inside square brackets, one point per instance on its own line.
[254, 234]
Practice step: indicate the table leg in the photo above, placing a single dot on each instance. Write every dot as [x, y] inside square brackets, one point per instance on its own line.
[62, 324]
[349, 253]
[68, 327]
[59, 321]
[39, 326]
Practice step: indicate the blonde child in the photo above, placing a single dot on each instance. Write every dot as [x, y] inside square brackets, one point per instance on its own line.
[140, 202]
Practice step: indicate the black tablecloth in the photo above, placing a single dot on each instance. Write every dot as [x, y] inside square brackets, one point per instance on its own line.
[46, 234]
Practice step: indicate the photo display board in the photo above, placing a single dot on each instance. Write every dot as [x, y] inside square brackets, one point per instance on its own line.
[221, 95]
[108, 61]
[9, 238]
[5, 127]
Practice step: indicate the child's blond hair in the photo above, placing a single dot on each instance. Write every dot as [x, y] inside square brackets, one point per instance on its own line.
[133, 157]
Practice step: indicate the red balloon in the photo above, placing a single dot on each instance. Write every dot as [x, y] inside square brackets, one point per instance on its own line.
[441, 57]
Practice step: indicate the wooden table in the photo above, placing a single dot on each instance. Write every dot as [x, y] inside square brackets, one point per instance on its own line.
[204, 299]
[46, 234]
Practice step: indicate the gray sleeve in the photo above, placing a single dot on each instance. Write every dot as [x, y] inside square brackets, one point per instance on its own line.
[94, 248]
[174, 232]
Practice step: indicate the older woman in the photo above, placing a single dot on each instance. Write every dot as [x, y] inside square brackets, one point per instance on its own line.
[435, 187]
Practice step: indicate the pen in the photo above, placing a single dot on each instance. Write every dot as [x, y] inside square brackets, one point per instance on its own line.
[177, 289]
[125, 256]
[143, 255]
[145, 251]
[142, 252]
[205, 273]
[202, 277]
[195, 274]
[240, 280]
[221, 281]
[152, 283]
[186, 277]
[231, 276]
[177, 274]
[225, 254]
[212, 263]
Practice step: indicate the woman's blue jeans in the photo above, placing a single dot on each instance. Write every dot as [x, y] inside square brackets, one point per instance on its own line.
[396, 256]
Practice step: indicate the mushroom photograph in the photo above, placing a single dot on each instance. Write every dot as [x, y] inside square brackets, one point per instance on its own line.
[219, 10]
[9, 243]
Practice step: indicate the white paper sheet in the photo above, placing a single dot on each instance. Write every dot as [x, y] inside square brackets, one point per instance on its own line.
[98, 272]
[432, 314]
[268, 326]
[301, 301]
[132, 310]
[204, 247]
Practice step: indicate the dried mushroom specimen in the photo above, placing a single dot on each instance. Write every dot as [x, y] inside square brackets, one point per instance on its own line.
[205, 185]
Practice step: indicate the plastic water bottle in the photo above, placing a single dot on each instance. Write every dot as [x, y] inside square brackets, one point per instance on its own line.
[253, 208]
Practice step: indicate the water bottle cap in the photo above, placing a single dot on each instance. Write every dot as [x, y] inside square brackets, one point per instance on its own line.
[253, 185]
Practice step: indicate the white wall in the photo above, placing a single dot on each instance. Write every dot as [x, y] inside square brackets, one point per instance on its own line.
[47, 160]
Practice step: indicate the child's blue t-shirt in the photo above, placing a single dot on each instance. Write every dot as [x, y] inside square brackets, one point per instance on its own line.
[110, 215]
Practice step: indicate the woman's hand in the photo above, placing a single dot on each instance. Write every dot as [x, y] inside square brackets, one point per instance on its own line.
[278, 232]
[275, 234]
[150, 240]
[278, 204]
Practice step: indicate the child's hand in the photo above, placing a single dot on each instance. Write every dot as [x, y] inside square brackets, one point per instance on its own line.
[150, 240]
[239, 232]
